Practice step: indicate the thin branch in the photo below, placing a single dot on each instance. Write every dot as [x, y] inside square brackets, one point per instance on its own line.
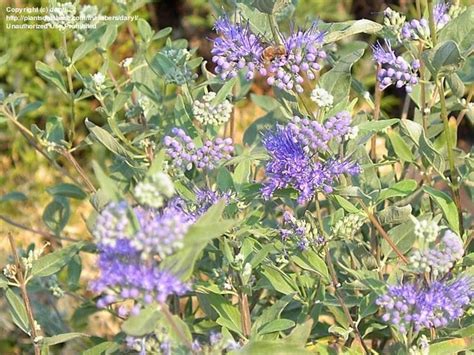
[378, 99]
[24, 295]
[385, 236]
[336, 285]
[44, 234]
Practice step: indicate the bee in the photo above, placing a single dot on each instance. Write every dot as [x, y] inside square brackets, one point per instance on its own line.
[271, 52]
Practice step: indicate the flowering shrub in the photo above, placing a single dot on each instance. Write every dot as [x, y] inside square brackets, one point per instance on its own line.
[329, 226]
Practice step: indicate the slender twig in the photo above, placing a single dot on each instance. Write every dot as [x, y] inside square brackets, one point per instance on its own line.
[450, 151]
[66, 154]
[72, 99]
[336, 285]
[245, 314]
[44, 234]
[169, 317]
[378, 99]
[385, 236]
[335, 282]
[24, 295]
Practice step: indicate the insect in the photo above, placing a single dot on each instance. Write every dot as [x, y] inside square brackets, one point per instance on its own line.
[271, 52]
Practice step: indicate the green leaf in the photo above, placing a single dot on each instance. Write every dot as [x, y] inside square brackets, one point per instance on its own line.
[106, 139]
[279, 280]
[224, 91]
[177, 327]
[311, 261]
[56, 214]
[89, 44]
[395, 214]
[299, 336]
[144, 29]
[346, 204]
[242, 173]
[445, 58]
[451, 346]
[272, 347]
[399, 189]
[165, 32]
[108, 186]
[272, 6]
[52, 76]
[209, 226]
[403, 237]
[377, 126]
[13, 196]
[62, 338]
[17, 310]
[143, 323]
[353, 28]
[33, 106]
[447, 205]
[228, 314]
[270, 313]
[51, 263]
[67, 190]
[276, 325]
[401, 148]
[456, 84]
[3, 282]
[460, 30]
[258, 21]
[106, 347]
[337, 81]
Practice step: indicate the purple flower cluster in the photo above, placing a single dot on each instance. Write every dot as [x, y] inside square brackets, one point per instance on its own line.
[316, 136]
[291, 164]
[237, 48]
[284, 65]
[299, 231]
[185, 154]
[205, 199]
[302, 51]
[127, 264]
[416, 306]
[439, 259]
[160, 232]
[395, 69]
[420, 29]
[125, 275]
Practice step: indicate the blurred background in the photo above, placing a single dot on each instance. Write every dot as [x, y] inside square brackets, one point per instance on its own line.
[23, 170]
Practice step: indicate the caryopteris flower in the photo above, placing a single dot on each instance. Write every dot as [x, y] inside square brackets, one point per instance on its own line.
[418, 306]
[302, 50]
[299, 232]
[213, 115]
[440, 258]
[127, 253]
[322, 98]
[184, 153]
[395, 69]
[237, 49]
[154, 190]
[316, 136]
[291, 165]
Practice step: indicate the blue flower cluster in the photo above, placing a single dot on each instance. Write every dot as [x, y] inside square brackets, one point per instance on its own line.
[205, 198]
[293, 152]
[439, 259]
[420, 29]
[185, 154]
[300, 232]
[285, 65]
[127, 263]
[414, 306]
[395, 69]
[316, 136]
[302, 51]
[237, 49]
